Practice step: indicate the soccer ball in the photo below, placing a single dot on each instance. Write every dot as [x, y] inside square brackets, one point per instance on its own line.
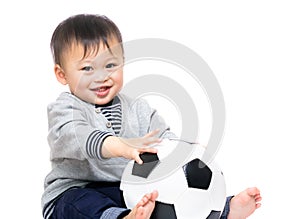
[187, 187]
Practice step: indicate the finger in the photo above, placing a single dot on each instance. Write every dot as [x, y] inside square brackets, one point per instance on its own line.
[138, 159]
[150, 150]
[152, 133]
[134, 143]
[151, 140]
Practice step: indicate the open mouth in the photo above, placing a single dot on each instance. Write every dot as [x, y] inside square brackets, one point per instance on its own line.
[102, 91]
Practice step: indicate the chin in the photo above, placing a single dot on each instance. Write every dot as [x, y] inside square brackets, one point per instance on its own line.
[102, 101]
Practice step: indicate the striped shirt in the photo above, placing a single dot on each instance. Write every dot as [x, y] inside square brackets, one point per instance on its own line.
[113, 113]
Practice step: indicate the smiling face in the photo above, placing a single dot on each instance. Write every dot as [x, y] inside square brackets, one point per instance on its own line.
[96, 77]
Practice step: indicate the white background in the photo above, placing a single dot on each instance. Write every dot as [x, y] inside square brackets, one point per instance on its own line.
[253, 48]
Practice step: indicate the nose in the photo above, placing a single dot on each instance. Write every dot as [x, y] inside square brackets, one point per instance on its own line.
[101, 76]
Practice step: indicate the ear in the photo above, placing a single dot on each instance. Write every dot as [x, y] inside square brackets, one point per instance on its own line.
[60, 74]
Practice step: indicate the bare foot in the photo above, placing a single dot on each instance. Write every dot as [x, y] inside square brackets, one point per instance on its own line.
[244, 204]
[144, 208]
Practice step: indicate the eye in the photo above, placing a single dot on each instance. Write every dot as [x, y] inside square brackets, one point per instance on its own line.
[87, 68]
[111, 65]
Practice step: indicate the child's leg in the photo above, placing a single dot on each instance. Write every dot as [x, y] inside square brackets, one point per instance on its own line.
[83, 203]
[144, 208]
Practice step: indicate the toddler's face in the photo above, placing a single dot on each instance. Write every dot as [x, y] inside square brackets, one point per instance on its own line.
[98, 77]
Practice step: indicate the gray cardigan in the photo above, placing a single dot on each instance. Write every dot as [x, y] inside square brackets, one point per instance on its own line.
[71, 121]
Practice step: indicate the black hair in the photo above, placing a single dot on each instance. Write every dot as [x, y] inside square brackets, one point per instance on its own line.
[85, 29]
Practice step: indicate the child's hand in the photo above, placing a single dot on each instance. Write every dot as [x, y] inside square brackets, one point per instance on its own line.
[130, 148]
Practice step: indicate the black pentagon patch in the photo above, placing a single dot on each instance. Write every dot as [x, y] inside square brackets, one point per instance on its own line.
[214, 215]
[198, 175]
[163, 211]
[150, 161]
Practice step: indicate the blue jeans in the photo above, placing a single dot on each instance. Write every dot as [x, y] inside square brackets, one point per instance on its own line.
[96, 200]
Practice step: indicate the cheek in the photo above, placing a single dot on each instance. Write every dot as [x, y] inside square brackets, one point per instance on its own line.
[119, 77]
[77, 83]
[121, 81]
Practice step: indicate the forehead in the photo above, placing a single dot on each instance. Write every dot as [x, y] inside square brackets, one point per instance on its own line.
[78, 52]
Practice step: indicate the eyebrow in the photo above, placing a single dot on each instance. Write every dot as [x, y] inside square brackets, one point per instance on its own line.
[96, 60]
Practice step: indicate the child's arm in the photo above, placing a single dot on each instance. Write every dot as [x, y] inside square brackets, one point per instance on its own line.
[129, 148]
